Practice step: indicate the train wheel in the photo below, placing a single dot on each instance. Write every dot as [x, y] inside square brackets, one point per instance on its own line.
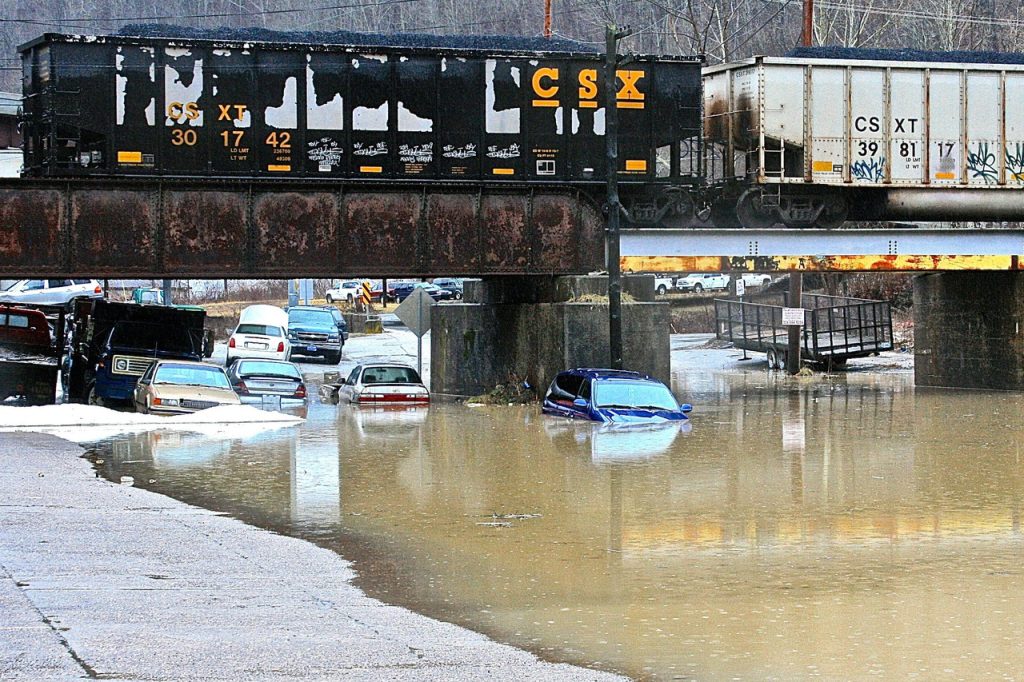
[752, 212]
[834, 214]
[678, 208]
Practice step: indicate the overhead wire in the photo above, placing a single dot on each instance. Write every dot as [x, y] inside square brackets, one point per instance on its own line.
[209, 15]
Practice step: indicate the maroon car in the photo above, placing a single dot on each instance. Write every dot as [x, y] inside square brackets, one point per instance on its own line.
[23, 327]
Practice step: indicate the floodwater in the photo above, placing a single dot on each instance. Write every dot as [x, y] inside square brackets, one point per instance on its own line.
[835, 527]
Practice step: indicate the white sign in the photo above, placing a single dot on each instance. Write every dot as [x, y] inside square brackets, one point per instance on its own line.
[792, 317]
[741, 288]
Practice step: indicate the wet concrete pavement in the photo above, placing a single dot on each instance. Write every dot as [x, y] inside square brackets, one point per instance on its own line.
[107, 581]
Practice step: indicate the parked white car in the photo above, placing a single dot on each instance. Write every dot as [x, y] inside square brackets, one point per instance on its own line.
[50, 291]
[262, 332]
[703, 281]
[756, 279]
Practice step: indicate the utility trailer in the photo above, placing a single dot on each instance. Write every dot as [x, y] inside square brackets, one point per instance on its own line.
[835, 329]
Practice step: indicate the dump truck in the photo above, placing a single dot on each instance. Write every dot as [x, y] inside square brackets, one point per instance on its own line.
[835, 329]
[113, 344]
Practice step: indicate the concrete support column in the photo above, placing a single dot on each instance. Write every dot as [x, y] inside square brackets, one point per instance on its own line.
[534, 327]
[969, 330]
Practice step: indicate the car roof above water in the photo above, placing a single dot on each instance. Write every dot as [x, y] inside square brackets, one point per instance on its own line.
[601, 373]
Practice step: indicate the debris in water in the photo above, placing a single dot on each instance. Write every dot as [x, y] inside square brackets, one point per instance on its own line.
[515, 391]
[495, 524]
[127, 480]
[496, 515]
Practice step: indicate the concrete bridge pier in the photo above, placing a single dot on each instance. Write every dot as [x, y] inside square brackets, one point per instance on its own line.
[969, 330]
[531, 328]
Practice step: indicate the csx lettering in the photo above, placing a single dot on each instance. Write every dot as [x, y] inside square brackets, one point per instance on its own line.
[629, 90]
[225, 112]
[588, 84]
[900, 122]
[179, 110]
[548, 89]
[864, 123]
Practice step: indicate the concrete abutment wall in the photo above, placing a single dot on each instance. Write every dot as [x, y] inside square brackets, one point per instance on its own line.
[969, 330]
[532, 328]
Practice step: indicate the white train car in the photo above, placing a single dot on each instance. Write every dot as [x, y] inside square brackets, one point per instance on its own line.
[826, 140]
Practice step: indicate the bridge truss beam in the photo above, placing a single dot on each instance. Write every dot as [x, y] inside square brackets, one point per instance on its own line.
[224, 228]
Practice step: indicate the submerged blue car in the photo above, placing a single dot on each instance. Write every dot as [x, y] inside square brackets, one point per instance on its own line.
[612, 396]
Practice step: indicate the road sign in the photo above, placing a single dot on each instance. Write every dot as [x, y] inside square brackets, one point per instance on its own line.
[414, 312]
[365, 296]
[741, 288]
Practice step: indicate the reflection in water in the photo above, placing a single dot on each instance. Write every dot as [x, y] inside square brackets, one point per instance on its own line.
[838, 528]
[614, 443]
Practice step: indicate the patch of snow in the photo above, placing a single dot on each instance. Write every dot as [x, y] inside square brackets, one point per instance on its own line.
[85, 423]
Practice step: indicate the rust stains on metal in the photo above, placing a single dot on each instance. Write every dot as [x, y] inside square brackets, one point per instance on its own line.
[114, 231]
[30, 229]
[453, 232]
[221, 228]
[674, 264]
[296, 233]
[203, 230]
[567, 237]
[382, 229]
[505, 239]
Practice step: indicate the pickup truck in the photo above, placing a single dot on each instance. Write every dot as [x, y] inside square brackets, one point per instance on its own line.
[702, 281]
[663, 284]
[756, 279]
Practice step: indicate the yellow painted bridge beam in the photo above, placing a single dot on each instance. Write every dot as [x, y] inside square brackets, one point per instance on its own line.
[853, 263]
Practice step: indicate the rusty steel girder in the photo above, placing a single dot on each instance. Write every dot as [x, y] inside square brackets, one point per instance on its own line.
[233, 228]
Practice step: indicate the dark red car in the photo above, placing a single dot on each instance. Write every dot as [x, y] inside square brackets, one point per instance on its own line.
[23, 327]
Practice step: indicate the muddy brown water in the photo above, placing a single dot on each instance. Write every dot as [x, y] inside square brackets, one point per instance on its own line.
[843, 528]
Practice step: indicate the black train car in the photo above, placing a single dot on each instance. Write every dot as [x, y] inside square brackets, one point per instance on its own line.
[178, 106]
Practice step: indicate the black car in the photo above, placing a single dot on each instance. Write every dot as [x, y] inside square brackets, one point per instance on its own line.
[314, 330]
[452, 284]
[403, 291]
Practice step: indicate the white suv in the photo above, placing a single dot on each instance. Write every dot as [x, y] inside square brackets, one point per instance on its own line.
[262, 332]
[50, 291]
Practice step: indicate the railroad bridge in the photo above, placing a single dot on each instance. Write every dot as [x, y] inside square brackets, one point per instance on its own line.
[527, 243]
